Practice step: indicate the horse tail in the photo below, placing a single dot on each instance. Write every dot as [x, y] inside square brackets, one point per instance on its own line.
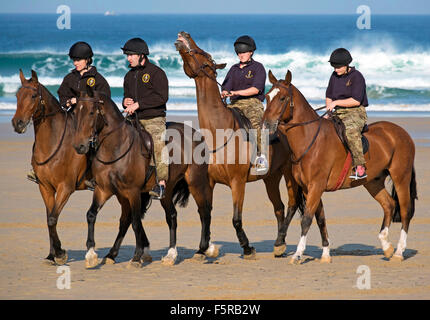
[413, 196]
[181, 193]
[300, 201]
[146, 201]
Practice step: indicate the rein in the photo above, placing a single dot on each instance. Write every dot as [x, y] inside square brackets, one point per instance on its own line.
[294, 125]
[42, 117]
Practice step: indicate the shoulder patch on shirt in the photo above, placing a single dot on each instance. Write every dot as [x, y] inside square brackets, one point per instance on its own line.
[348, 83]
[145, 78]
[91, 81]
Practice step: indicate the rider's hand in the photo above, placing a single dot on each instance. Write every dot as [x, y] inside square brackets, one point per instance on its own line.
[128, 102]
[132, 108]
[73, 101]
[225, 94]
[331, 105]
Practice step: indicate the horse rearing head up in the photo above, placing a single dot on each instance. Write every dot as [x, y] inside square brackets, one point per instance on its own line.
[196, 61]
[29, 102]
[280, 103]
[89, 121]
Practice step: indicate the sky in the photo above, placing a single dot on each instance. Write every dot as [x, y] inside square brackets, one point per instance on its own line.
[219, 6]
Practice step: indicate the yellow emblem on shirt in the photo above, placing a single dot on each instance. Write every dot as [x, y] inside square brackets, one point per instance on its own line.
[91, 82]
[145, 78]
[249, 75]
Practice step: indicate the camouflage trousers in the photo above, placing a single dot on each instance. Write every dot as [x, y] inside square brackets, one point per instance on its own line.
[157, 129]
[354, 120]
[253, 109]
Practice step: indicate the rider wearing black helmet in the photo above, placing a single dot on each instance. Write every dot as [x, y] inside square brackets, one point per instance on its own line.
[347, 92]
[244, 84]
[83, 75]
[146, 91]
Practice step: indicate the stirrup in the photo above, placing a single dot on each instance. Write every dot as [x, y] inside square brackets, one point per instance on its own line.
[356, 176]
[31, 175]
[261, 164]
[90, 184]
[157, 192]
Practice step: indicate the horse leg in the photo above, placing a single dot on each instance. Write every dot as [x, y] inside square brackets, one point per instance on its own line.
[99, 199]
[313, 201]
[320, 217]
[238, 191]
[124, 224]
[202, 194]
[171, 219]
[377, 189]
[48, 196]
[141, 253]
[402, 184]
[62, 195]
[272, 189]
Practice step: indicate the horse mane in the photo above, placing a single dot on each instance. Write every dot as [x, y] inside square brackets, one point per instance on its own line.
[306, 103]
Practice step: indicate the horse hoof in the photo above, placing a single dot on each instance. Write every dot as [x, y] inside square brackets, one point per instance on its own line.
[198, 257]
[146, 258]
[134, 265]
[396, 258]
[389, 252]
[91, 259]
[61, 260]
[107, 260]
[48, 262]
[167, 261]
[325, 260]
[250, 256]
[295, 261]
[212, 251]
[278, 251]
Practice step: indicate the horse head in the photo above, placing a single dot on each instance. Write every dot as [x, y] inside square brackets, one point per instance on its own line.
[280, 105]
[28, 99]
[196, 61]
[89, 120]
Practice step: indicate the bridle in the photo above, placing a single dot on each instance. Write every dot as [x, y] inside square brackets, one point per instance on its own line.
[93, 140]
[42, 104]
[286, 121]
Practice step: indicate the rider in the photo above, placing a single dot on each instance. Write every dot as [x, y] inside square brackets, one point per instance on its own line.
[146, 91]
[346, 92]
[84, 74]
[244, 84]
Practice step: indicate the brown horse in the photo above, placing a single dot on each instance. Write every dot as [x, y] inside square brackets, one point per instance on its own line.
[59, 169]
[320, 156]
[121, 167]
[213, 115]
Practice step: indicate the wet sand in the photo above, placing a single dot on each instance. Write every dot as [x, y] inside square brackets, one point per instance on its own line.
[353, 220]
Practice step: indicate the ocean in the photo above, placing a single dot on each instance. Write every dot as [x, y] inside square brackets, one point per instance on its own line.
[393, 56]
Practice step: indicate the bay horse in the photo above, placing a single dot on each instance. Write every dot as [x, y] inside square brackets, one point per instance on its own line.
[319, 157]
[213, 115]
[59, 169]
[121, 167]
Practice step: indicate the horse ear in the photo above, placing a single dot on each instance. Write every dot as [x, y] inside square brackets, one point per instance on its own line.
[21, 76]
[272, 78]
[34, 76]
[220, 66]
[288, 77]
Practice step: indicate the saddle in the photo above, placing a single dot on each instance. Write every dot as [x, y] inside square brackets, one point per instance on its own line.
[340, 130]
[243, 121]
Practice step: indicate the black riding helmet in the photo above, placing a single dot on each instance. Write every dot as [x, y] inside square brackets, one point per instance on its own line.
[340, 57]
[135, 46]
[244, 44]
[80, 50]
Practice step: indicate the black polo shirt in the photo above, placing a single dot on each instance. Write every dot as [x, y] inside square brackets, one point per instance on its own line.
[252, 75]
[74, 83]
[350, 85]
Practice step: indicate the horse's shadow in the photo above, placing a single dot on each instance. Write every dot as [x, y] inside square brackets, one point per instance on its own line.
[358, 249]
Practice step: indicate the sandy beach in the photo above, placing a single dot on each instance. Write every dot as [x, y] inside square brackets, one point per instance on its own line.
[353, 218]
